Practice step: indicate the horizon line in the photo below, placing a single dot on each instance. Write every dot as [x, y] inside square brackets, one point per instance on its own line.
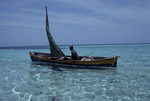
[72, 44]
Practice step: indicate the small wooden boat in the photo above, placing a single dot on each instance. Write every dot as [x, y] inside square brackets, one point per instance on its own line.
[83, 61]
[57, 58]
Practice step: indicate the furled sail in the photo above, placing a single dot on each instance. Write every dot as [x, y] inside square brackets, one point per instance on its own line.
[54, 49]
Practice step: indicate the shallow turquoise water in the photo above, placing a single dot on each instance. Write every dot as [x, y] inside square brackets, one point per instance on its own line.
[22, 80]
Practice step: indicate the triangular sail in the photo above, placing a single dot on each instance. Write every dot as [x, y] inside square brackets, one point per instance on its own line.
[54, 49]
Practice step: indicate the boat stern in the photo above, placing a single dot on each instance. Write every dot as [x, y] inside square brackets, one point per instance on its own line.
[115, 61]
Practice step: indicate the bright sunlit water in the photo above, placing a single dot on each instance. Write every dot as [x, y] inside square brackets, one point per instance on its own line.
[22, 80]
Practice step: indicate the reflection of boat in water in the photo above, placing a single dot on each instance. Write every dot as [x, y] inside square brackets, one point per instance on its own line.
[73, 69]
[58, 58]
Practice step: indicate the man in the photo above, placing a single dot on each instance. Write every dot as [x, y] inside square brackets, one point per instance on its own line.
[74, 54]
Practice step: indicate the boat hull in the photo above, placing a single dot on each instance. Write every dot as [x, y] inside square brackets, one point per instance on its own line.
[95, 62]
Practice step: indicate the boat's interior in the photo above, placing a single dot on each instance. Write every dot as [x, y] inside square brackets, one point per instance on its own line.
[82, 58]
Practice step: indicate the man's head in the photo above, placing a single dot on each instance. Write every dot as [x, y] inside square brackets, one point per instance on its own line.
[71, 47]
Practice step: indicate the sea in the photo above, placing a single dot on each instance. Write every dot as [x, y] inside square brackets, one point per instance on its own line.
[23, 80]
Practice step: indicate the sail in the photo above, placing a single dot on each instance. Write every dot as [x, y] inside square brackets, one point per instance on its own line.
[54, 49]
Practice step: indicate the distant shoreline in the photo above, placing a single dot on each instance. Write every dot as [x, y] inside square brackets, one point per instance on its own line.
[47, 46]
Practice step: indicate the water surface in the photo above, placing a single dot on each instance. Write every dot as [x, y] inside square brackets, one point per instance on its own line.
[22, 80]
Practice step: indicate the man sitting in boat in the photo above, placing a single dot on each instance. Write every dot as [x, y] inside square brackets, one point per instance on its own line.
[74, 54]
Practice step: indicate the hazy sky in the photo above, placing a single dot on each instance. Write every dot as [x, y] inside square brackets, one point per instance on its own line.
[22, 22]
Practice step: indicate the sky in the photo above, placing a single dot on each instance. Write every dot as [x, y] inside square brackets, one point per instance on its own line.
[22, 22]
